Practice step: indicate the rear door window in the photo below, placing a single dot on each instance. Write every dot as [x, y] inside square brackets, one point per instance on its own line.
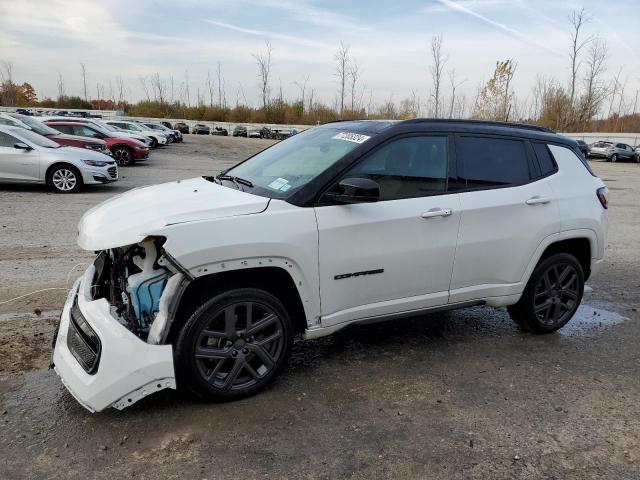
[7, 140]
[490, 162]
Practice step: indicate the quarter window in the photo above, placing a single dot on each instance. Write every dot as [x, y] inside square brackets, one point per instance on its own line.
[547, 165]
[407, 168]
[492, 162]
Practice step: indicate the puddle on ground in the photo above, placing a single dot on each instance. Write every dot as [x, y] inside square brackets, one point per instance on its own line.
[591, 318]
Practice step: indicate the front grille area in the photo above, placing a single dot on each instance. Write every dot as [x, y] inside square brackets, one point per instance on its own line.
[113, 171]
[82, 340]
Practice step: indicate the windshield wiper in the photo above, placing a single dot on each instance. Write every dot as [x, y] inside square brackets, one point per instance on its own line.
[237, 180]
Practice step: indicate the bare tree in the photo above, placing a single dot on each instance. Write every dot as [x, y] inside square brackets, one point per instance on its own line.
[61, 89]
[615, 86]
[342, 71]
[263, 60]
[120, 88]
[145, 87]
[100, 91]
[186, 88]
[210, 87]
[454, 87]
[159, 87]
[8, 89]
[508, 94]
[354, 76]
[577, 20]
[222, 101]
[302, 86]
[83, 69]
[311, 96]
[595, 89]
[437, 69]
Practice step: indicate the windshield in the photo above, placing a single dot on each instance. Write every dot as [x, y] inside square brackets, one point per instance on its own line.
[36, 139]
[133, 126]
[39, 127]
[289, 165]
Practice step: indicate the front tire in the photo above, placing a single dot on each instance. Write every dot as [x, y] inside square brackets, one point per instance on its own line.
[65, 179]
[154, 143]
[234, 345]
[123, 156]
[614, 158]
[552, 295]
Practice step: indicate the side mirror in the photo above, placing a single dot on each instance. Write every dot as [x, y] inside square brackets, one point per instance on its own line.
[355, 190]
[22, 146]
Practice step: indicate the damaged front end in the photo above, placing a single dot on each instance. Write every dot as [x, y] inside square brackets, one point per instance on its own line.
[110, 349]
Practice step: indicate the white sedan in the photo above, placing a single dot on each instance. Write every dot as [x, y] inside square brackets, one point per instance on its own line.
[26, 157]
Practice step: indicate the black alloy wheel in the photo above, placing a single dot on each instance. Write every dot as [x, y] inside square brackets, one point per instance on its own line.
[234, 345]
[123, 156]
[552, 296]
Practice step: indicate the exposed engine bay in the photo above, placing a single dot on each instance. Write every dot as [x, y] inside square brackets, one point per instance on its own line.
[133, 279]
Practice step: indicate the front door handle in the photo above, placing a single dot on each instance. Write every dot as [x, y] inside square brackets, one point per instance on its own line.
[437, 212]
[537, 200]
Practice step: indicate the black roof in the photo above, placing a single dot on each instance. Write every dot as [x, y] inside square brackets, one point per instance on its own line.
[451, 125]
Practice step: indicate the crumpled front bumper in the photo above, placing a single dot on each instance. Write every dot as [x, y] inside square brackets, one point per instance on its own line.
[128, 369]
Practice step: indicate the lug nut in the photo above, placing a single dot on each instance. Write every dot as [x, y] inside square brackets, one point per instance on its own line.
[234, 353]
[245, 350]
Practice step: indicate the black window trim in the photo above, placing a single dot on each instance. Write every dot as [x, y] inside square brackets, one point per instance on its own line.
[553, 159]
[531, 161]
[451, 167]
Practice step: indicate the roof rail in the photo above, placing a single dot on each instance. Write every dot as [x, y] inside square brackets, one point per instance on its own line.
[525, 126]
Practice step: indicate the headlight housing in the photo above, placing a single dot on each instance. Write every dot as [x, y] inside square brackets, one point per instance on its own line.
[96, 163]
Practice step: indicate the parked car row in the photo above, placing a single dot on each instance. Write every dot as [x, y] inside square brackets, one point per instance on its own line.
[610, 151]
[66, 153]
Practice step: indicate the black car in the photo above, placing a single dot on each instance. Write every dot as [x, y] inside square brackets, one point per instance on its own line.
[180, 126]
[222, 132]
[584, 147]
[22, 111]
[240, 131]
[200, 129]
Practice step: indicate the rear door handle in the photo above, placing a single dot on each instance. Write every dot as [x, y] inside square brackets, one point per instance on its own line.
[437, 212]
[537, 200]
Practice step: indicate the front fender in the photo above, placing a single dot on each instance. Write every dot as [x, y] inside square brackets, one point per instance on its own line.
[283, 235]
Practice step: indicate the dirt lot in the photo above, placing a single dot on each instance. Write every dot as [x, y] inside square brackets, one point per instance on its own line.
[453, 395]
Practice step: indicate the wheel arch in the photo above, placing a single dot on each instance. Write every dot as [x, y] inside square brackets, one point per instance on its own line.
[273, 279]
[50, 168]
[580, 243]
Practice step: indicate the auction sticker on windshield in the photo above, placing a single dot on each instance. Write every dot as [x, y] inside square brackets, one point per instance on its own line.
[279, 184]
[352, 137]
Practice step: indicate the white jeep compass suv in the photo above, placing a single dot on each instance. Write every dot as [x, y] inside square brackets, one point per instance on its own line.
[206, 281]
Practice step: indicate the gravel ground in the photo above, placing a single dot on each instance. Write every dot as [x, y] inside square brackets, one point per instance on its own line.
[451, 395]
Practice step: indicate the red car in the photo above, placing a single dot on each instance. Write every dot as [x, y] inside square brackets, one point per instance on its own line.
[60, 138]
[125, 150]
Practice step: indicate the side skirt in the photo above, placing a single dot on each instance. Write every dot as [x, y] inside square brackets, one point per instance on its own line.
[318, 332]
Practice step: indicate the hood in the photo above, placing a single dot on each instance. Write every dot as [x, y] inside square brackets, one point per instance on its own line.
[130, 217]
[77, 153]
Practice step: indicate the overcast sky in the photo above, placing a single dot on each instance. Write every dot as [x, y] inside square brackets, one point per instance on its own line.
[389, 39]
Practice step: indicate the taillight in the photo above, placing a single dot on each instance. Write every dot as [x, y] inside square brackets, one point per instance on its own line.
[603, 196]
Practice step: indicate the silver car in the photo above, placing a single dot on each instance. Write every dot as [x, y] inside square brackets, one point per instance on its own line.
[26, 157]
[612, 151]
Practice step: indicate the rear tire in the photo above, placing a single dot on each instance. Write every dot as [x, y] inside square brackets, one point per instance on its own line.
[65, 179]
[552, 295]
[234, 345]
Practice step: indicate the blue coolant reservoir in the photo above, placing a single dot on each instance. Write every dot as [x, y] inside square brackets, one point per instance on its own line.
[145, 288]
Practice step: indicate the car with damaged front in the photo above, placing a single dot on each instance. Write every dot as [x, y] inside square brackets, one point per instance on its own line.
[203, 283]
